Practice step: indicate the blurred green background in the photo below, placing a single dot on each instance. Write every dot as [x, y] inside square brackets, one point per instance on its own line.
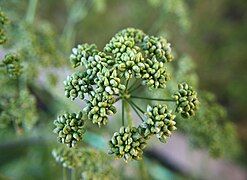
[211, 34]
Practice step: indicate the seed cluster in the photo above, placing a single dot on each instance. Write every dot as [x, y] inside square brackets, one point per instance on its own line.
[159, 121]
[3, 21]
[103, 80]
[12, 64]
[82, 52]
[129, 54]
[69, 158]
[70, 128]
[186, 99]
[155, 74]
[91, 163]
[99, 107]
[127, 143]
[77, 85]
[110, 81]
[158, 48]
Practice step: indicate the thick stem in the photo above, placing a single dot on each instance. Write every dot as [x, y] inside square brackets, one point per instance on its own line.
[32, 5]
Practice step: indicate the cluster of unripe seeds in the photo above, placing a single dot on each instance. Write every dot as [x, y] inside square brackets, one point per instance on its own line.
[91, 163]
[127, 143]
[104, 80]
[68, 158]
[13, 65]
[159, 121]
[77, 85]
[3, 21]
[186, 99]
[70, 128]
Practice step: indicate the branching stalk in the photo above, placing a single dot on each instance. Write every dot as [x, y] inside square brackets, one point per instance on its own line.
[136, 88]
[133, 107]
[137, 107]
[154, 99]
[122, 112]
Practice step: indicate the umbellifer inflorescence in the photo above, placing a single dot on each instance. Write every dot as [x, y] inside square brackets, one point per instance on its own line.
[130, 56]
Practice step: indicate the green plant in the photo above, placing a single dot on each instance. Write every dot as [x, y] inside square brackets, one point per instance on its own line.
[129, 61]
[36, 41]
[3, 21]
[90, 163]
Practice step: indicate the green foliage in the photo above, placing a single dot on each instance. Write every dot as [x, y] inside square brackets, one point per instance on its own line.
[222, 41]
[210, 128]
[131, 63]
[175, 9]
[20, 112]
[18, 106]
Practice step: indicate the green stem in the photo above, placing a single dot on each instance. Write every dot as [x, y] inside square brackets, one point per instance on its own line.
[154, 99]
[64, 173]
[18, 129]
[133, 107]
[32, 5]
[122, 112]
[127, 83]
[136, 88]
[69, 31]
[132, 85]
[74, 174]
[129, 117]
[143, 170]
[137, 107]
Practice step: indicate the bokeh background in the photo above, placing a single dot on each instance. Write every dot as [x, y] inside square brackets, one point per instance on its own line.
[209, 44]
